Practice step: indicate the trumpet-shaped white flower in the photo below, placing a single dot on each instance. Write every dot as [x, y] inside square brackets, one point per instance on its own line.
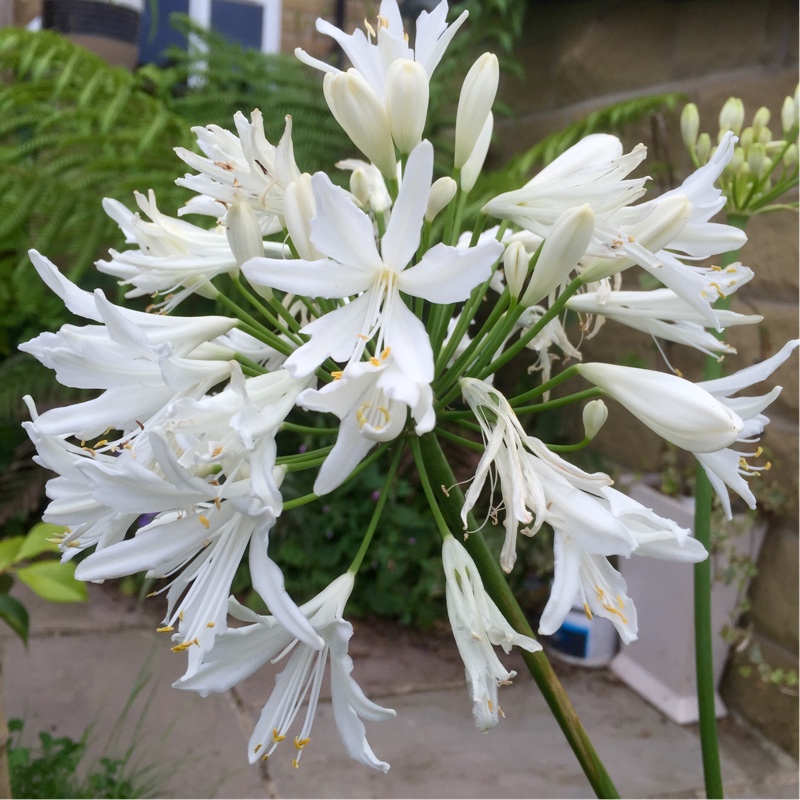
[243, 168]
[477, 625]
[662, 314]
[373, 54]
[677, 410]
[372, 399]
[174, 258]
[729, 467]
[239, 652]
[355, 266]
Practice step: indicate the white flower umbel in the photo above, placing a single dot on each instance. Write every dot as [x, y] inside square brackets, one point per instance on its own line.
[677, 410]
[478, 625]
[239, 652]
[729, 467]
[372, 399]
[355, 266]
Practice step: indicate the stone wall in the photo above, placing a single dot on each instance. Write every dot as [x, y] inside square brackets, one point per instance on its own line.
[579, 56]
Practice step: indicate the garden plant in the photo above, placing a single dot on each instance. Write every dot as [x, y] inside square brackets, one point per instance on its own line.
[372, 323]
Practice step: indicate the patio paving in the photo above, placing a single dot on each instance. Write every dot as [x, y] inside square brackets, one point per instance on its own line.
[84, 661]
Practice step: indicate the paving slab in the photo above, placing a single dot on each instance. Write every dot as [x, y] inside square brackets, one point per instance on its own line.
[84, 660]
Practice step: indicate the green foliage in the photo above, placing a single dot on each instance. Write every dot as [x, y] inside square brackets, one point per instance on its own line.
[50, 770]
[226, 78]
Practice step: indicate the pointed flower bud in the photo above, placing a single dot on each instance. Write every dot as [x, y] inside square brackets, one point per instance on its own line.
[765, 136]
[746, 139]
[406, 92]
[595, 414]
[442, 192]
[756, 158]
[690, 126]
[474, 164]
[561, 251]
[361, 114]
[703, 148]
[359, 187]
[788, 116]
[674, 408]
[760, 119]
[790, 156]
[244, 233]
[299, 207]
[474, 105]
[731, 117]
[516, 263]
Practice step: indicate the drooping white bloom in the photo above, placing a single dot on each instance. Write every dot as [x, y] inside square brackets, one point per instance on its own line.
[477, 625]
[729, 467]
[372, 399]
[678, 410]
[355, 266]
[243, 168]
[662, 314]
[373, 54]
[239, 652]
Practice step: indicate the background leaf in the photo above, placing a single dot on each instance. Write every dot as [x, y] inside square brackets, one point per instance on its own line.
[53, 581]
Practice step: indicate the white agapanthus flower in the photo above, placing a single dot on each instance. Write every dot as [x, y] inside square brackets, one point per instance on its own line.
[240, 168]
[478, 626]
[356, 266]
[239, 652]
[729, 467]
[174, 257]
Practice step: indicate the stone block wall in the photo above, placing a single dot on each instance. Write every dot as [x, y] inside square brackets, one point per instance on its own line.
[579, 56]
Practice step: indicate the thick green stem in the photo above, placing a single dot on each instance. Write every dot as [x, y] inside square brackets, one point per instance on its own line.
[703, 631]
[494, 580]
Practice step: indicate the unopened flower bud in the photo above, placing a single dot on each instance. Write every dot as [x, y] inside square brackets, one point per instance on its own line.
[690, 126]
[746, 139]
[765, 136]
[760, 119]
[357, 109]
[299, 206]
[474, 164]
[474, 105]
[755, 159]
[359, 187]
[244, 233]
[703, 148]
[731, 117]
[736, 161]
[406, 93]
[564, 246]
[595, 414]
[442, 192]
[515, 266]
[790, 156]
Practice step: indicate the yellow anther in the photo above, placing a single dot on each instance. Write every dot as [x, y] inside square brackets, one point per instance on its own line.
[204, 521]
[587, 611]
[88, 450]
[612, 610]
[678, 372]
[257, 748]
[337, 374]
[363, 336]
[385, 353]
[265, 757]
[180, 616]
[382, 22]
[101, 443]
[631, 239]
[276, 737]
[759, 452]
[75, 543]
[619, 602]
[179, 648]
[715, 268]
[165, 629]
[500, 712]
[301, 743]
[490, 704]
[216, 451]
[217, 503]
[370, 29]
[151, 594]
[362, 420]
[295, 764]
[374, 361]
[210, 624]
[767, 466]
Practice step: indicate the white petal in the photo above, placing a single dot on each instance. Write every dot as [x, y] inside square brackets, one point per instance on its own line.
[322, 278]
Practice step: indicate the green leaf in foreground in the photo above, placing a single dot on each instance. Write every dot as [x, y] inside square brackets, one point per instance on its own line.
[13, 613]
[53, 581]
[39, 541]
